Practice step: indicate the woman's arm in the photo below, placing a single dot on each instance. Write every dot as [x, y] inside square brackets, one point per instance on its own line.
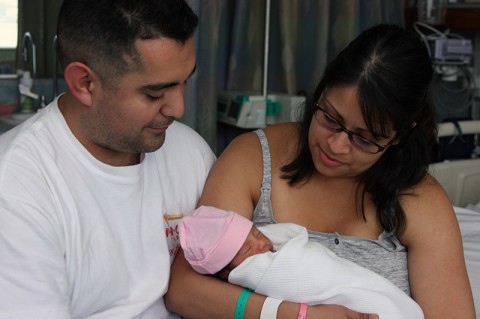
[199, 296]
[227, 187]
[233, 184]
[438, 276]
[204, 297]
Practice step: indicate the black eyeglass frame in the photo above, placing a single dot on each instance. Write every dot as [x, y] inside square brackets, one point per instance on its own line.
[341, 128]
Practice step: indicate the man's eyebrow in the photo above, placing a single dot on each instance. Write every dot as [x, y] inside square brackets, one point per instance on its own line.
[161, 86]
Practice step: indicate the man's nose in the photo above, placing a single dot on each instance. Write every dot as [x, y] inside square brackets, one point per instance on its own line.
[174, 102]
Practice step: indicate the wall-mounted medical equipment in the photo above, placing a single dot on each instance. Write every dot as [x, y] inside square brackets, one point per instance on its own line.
[453, 86]
[445, 47]
[242, 109]
[445, 50]
[256, 110]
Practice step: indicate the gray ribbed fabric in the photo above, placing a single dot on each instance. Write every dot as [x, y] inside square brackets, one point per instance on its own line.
[386, 256]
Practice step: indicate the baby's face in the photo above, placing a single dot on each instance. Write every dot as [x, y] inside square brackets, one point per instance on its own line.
[256, 243]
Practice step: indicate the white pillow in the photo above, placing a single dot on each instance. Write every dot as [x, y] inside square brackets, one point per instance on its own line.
[474, 207]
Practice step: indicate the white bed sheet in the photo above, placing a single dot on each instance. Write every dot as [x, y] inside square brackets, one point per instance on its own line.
[469, 220]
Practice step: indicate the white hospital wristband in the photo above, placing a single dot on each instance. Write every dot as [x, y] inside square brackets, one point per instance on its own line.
[270, 308]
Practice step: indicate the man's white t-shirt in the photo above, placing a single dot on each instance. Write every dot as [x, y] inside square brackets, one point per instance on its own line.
[81, 239]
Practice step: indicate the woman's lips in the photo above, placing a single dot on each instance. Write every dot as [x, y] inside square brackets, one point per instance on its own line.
[326, 160]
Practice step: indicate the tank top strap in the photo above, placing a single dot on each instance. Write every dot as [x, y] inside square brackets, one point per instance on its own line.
[267, 166]
[263, 212]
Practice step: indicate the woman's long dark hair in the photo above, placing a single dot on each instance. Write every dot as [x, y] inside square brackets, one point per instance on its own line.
[392, 71]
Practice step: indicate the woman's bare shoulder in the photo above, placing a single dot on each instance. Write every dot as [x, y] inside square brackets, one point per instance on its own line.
[283, 140]
[426, 207]
[430, 188]
[248, 146]
[281, 131]
[244, 147]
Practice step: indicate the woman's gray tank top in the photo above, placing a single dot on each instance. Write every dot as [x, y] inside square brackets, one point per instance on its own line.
[386, 256]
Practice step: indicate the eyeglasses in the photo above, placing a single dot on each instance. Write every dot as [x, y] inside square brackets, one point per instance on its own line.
[360, 142]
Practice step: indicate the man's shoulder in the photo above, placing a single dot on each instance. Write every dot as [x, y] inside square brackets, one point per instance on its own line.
[19, 143]
[183, 144]
[180, 130]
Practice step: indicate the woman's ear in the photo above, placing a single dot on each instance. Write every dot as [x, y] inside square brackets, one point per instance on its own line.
[398, 139]
[395, 141]
[81, 81]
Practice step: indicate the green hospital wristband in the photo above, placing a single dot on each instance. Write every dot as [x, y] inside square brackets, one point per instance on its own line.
[241, 303]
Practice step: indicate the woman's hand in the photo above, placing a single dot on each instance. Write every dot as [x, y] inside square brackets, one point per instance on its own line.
[336, 312]
[187, 295]
[325, 312]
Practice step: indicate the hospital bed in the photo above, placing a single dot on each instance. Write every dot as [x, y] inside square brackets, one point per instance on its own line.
[461, 180]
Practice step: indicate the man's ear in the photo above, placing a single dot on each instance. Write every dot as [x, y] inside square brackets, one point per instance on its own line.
[81, 81]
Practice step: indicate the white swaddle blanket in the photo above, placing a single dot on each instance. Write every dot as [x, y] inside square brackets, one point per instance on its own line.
[306, 271]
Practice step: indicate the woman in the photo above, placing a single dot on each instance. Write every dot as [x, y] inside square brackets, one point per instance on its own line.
[354, 173]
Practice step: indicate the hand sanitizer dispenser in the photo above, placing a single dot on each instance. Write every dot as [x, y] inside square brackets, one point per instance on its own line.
[26, 95]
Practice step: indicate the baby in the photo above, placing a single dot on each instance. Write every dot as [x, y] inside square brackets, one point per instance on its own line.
[279, 261]
[216, 241]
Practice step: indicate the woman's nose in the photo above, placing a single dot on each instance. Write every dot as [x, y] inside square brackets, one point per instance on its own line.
[339, 142]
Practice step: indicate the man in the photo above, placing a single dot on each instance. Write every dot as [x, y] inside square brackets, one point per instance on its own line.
[91, 185]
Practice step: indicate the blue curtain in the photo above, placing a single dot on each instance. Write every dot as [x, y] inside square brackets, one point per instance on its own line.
[304, 36]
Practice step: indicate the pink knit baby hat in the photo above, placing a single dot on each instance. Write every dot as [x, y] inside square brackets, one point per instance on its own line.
[211, 237]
